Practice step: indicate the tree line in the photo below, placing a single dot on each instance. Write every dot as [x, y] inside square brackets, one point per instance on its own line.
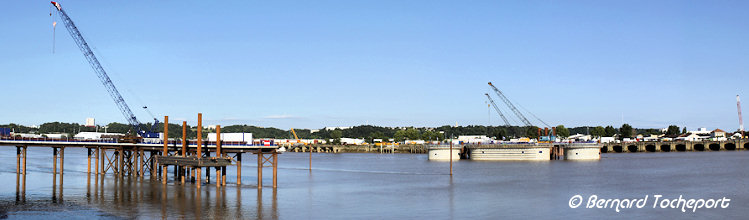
[367, 132]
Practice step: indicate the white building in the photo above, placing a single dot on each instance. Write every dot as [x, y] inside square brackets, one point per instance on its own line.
[234, 137]
[95, 135]
[352, 141]
[474, 139]
[718, 135]
[414, 142]
[700, 131]
[579, 138]
[608, 139]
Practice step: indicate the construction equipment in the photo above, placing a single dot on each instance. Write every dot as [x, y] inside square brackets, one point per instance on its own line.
[104, 78]
[507, 123]
[298, 142]
[741, 122]
[511, 106]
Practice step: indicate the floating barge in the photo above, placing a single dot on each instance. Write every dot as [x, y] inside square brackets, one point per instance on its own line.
[523, 152]
[518, 151]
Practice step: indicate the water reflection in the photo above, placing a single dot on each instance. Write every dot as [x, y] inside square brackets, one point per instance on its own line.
[139, 198]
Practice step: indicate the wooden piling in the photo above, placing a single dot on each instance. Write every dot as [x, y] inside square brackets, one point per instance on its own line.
[239, 168]
[62, 162]
[18, 160]
[88, 171]
[54, 158]
[200, 135]
[275, 168]
[96, 161]
[218, 140]
[259, 168]
[120, 164]
[184, 138]
[223, 176]
[24, 163]
[166, 146]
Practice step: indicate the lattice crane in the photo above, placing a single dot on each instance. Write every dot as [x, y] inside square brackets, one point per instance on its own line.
[103, 77]
[507, 123]
[511, 106]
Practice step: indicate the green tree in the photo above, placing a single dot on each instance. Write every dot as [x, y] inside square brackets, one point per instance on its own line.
[598, 131]
[684, 131]
[400, 135]
[626, 131]
[562, 131]
[531, 132]
[609, 131]
[336, 136]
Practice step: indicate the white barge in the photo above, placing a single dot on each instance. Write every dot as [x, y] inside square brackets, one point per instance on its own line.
[518, 152]
[442, 152]
[582, 151]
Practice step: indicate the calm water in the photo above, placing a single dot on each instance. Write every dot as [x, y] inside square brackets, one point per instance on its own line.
[390, 186]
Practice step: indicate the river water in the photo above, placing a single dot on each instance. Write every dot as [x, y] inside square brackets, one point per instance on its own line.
[385, 186]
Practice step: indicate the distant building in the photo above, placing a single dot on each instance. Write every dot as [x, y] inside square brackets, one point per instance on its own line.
[700, 131]
[579, 138]
[608, 139]
[474, 139]
[96, 135]
[90, 122]
[234, 137]
[718, 135]
[352, 141]
[333, 128]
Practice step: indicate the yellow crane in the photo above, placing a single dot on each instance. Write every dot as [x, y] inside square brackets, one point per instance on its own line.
[296, 137]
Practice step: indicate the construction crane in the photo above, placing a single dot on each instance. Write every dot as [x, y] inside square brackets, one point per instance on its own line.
[512, 107]
[741, 122]
[298, 142]
[507, 123]
[104, 78]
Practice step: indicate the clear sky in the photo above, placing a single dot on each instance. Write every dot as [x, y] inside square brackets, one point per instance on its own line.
[310, 64]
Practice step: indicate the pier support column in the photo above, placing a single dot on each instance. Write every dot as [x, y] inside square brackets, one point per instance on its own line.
[120, 162]
[275, 168]
[96, 161]
[260, 168]
[24, 164]
[239, 168]
[62, 163]
[102, 159]
[88, 167]
[54, 159]
[223, 176]
[18, 160]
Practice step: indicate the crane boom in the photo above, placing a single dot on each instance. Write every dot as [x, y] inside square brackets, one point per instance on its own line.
[507, 123]
[512, 107]
[103, 77]
[741, 121]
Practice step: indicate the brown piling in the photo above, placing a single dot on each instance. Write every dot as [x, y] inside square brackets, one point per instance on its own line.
[18, 160]
[184, 138]
[88, 171]
[166, 147]
[200, 143]
[275, 168]
[62, 162]
[239, 168]
[24, 164]
[218, 140]
[259, 168]
[96, 161]
[223, 176]
[120, 162]
[54, 158]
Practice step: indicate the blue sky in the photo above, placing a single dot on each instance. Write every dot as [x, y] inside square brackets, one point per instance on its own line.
[310, 64]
